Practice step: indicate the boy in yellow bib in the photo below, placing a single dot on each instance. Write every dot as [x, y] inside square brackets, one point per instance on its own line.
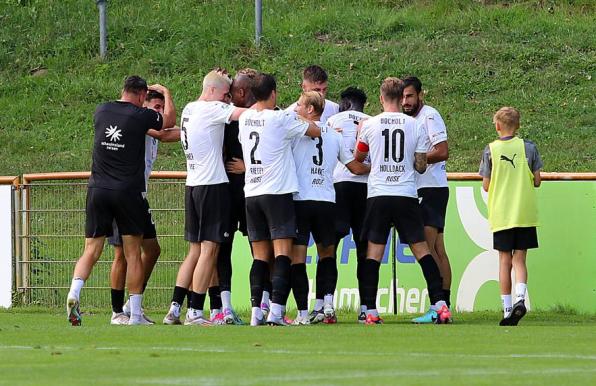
[510, 168]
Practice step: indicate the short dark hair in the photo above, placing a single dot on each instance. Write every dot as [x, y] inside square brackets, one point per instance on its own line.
[413, 81]
[263, 86]
[135, 84]
[152, 94]
[352, 98]
[314, 74]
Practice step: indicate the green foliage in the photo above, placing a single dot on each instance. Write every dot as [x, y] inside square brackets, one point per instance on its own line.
[472, 56]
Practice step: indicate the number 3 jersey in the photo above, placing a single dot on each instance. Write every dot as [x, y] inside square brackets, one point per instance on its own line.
[201, 134]
[392, 140]
[315, 160]
[266, 137]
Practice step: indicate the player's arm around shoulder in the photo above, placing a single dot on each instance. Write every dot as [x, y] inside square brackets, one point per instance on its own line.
[171, 134]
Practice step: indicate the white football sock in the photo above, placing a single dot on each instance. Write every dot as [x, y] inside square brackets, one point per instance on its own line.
[175, 309]
[191, 313]
[520, 291]
[226, 300]
[363, 308]
[372, 312]
[303, 313]
[257, 313]
[507, 305]
[319, 304]
[214, 312]
[437, 306]
[75, 288]
[135, 306]
[265, 297]
[276, 310]
[328, 299]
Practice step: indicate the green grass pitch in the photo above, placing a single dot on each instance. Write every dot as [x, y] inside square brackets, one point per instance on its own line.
[37, 346]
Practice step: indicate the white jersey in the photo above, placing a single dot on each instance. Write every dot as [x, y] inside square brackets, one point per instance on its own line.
[315, 159]
[201, 134]
[393, 138]
[266, 137]
[150, 156]
[331, 108]
[348, 121]
[436, 174]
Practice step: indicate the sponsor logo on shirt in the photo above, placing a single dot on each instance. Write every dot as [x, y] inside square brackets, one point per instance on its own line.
[114, 134]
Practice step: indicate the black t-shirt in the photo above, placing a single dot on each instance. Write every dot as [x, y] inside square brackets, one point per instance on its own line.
[233, 149]
[119, 145]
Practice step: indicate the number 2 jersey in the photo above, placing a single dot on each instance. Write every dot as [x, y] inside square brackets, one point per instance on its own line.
[392, 139]
[201, 134]
[266, 137]
[316, 159]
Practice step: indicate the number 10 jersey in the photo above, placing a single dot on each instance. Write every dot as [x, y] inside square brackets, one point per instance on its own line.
[266, 137]
[392, 139]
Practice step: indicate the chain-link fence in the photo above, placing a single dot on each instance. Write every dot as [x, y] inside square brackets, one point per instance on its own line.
[50, 237]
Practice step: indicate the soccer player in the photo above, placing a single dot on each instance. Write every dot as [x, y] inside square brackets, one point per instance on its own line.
[314, 78]
[266, 136]
[116, 187]
[510, 169]
[207, 197]
[397, 146]
[316, 159]
[350, 199]
[150, 247]
[433, 191]
[235, 168]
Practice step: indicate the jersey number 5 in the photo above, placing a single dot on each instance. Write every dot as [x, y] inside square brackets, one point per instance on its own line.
[390, 152]
[254, 148]
[184, 134]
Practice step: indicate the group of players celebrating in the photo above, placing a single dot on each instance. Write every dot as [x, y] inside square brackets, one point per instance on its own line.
[278, 176]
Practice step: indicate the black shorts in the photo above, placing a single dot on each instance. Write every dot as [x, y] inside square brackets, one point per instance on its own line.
[316, 217]
[149, 231]
[402, 212]
[433, 202]
[237, 210]
[515, 239]
[104, 206]
[350, 208]
[207, 213]
[270, 217]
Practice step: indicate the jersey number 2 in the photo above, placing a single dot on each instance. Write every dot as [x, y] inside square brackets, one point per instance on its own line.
[254, 148]
[390, 152]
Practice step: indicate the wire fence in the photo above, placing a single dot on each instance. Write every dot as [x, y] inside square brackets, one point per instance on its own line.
[50, 238]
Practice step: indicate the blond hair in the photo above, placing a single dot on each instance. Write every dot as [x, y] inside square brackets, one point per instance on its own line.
[392, 88]
[508, 117]
[314, 99]
[217, 78]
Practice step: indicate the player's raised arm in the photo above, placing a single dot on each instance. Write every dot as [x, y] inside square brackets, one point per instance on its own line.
[169, 111]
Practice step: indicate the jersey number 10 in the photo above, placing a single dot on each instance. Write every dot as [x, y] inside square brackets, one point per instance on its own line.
[391, 151]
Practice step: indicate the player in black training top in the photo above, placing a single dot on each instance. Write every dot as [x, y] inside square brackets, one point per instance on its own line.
[116, 187]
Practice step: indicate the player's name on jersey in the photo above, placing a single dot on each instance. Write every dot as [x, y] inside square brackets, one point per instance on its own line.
[256, 170]
[392, 168]
[189, 156]
[254, 122]
[318, 171]
[113, 146]
[355, 118]
[393, 121]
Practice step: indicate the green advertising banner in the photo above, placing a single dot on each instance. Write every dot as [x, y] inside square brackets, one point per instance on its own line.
[561, 272]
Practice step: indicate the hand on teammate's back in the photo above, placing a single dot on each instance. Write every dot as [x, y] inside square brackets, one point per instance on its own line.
[236, 166]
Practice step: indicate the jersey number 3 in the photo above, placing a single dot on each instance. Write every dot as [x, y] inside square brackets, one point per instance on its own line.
[318, 160]
[391, 151]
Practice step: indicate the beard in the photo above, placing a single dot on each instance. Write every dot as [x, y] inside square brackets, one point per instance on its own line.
[411, 110]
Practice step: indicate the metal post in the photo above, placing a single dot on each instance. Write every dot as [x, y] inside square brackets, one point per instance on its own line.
[393, 269]
[258, 22]
[103, 29]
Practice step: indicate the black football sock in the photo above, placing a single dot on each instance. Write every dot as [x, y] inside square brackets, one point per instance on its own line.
[224, 266]
[434, 281]
[370, 283]
[179, 295]
[214, 298]
[329, 275]
[144, 287]
[319, 283]
[197, 301]
[281, 280]
[299, 280]
[117, 300]
[259, 273]
[447, 293]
